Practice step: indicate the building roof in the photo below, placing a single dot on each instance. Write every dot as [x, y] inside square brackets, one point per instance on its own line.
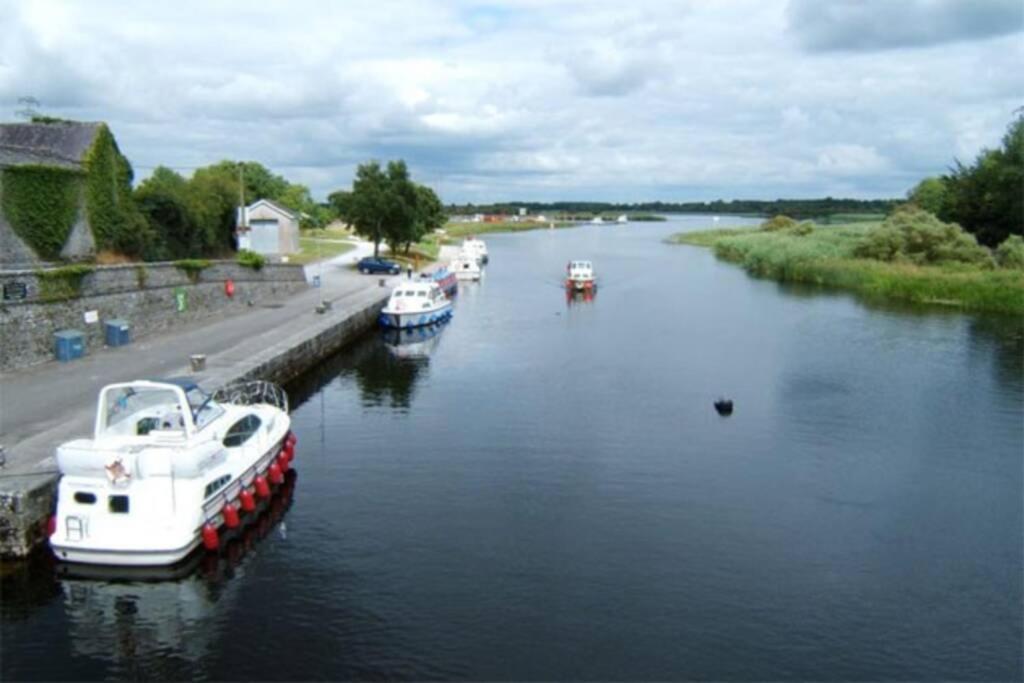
[274, 205]
[61, 144]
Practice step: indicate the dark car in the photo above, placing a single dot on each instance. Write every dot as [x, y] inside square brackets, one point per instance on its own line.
[378, 265]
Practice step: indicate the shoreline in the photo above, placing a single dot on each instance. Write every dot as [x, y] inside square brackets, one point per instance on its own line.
[825, 258]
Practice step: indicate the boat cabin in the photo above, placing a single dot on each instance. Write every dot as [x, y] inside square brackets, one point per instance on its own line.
[174, 408]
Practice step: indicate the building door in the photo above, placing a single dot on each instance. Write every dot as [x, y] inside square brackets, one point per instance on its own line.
[263, 237]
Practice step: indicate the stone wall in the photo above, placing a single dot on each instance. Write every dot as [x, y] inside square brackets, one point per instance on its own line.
[142, 294]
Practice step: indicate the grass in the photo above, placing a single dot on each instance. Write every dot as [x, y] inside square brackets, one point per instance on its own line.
[331, 232]
[456, 231]
[825, 258]
[423, 252]
[312, 250]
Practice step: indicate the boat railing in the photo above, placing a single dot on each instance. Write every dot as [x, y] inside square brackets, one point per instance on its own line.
[253, 392]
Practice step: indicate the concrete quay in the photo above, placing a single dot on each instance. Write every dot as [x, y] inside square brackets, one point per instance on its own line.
[43, 406]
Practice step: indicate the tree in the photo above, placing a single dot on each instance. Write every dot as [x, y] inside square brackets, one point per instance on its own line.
[401, 224]
[930, 195]
[368, 203]
[338, 202]
[987, 198]
[213, 199]
[430, 214]
[163, 200]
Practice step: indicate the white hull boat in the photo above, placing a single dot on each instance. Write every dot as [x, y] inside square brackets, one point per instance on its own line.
[476, 248]
[466, 267]
[167, 467]
[414, 304]
[580, 276]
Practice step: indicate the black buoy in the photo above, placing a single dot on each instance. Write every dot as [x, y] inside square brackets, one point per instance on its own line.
[724, 407]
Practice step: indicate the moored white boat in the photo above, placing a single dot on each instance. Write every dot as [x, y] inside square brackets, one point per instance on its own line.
[476, 248]
[580, 276]
[413, 304]
[167, 466]
[466, 267]
[446, 280]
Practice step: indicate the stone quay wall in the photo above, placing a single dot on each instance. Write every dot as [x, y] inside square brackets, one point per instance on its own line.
[146, 296]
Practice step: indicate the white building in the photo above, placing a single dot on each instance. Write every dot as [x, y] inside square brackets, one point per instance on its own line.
[266, 227]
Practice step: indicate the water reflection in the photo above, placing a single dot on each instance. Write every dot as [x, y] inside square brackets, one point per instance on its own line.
[122, 616]
[413, 344]
[576, 297]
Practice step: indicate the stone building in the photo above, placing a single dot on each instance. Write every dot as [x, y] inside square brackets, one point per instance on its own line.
[269, 228]
[58, 153]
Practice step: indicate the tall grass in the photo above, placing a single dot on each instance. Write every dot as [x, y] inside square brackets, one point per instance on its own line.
[826, 257]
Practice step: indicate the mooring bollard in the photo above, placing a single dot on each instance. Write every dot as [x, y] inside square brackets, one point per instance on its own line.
[197, 361]
[381, 282]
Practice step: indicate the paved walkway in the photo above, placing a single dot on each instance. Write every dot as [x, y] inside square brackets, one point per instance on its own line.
[46, 404]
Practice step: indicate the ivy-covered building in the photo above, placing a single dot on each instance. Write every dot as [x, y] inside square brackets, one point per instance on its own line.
[65, 192]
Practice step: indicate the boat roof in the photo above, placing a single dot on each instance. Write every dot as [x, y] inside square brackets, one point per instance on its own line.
[581, 264]
[415, 285]
[187, 384]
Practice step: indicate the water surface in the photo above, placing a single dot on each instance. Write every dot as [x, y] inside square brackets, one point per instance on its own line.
[543, 490]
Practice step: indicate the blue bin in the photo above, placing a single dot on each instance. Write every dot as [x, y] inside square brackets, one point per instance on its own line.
[70, 344]
[118, 332]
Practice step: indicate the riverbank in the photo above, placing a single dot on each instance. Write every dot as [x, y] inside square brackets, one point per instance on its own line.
[826, 257]
[460, 230]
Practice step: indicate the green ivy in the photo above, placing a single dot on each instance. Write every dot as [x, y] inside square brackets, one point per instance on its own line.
[141, 276]
[113, 217]
[192, 267]
[60, 284]
[41, 204]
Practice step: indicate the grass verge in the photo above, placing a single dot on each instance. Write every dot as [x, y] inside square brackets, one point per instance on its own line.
[312, 250]
[456, 231]
[825, 257]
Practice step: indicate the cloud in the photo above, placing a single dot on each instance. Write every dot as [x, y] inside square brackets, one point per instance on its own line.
[864, 25]
[542, 99]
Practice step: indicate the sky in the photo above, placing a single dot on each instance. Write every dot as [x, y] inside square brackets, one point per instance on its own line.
[539, 100]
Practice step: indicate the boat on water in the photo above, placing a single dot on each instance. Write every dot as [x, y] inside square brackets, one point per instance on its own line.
[168, 466]
[477, 248]
[597, 220]
[580, 276]
[622, 219]
[445, 279]
[466, 267]
[414, 304]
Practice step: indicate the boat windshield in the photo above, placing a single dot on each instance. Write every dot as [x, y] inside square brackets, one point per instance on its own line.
[204, 409]
[136, 411]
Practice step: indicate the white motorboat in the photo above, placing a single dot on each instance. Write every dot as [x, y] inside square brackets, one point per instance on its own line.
[597, 220]
[466, 267]
[476, 247]
[622, 219]
[413, 304]
[167, 467]
[580, 276]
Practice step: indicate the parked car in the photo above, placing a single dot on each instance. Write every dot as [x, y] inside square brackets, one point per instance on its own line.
[378, 265]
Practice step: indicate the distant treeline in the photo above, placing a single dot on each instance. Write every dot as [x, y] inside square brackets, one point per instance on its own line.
[795, 208]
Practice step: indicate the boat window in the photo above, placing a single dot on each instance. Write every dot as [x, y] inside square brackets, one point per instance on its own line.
[126, 407]
[119, 504]
[85, 498]
[241, 431]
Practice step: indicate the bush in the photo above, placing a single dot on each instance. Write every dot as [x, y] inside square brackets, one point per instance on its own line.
[779, 222]
[917, 236]
[250, 259]
[802, 229]
[61, 284]
[192, 267]
[1010, 253]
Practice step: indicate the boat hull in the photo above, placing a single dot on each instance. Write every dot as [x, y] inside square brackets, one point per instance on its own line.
[581, 285]
[403, 320]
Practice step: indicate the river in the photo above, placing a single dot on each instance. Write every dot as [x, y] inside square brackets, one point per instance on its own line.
[544, 490]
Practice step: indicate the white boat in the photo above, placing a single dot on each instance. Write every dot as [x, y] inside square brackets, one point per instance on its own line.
[167, 467]
[597, 220]
[622, 219]
[476, 247]
[580, 276]
[466, 267]
[413, 304]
